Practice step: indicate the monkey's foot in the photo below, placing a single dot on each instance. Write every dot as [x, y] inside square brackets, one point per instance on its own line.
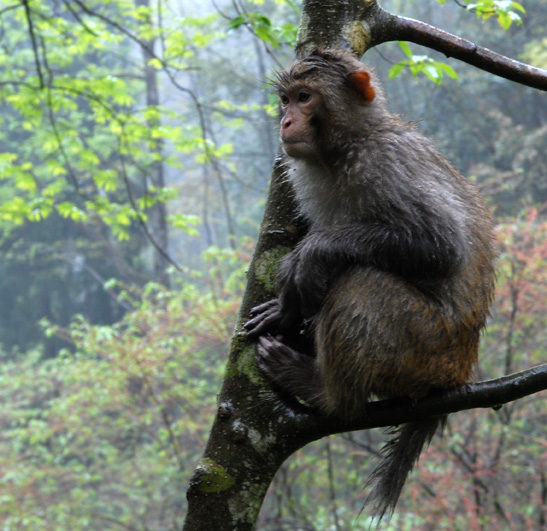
[265, 317]
[294, 373]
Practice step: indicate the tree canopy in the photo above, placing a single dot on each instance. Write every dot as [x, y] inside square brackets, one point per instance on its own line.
[136, 149]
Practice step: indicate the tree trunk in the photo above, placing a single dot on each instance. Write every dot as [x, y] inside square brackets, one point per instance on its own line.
[157, 214]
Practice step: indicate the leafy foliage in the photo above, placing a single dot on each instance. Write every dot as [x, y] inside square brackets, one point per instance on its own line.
[422, 64]
[505, 11]
[87, 146]
[264, 29]
[506, 14]
[110, 153]
[105, 437]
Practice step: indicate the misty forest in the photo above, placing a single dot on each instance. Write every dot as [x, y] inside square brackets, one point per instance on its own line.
[137, 142]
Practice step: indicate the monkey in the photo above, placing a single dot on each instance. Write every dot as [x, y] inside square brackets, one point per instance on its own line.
[395, 277]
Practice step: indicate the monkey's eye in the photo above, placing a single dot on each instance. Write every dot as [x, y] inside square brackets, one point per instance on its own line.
[284, 99]
[304, 96]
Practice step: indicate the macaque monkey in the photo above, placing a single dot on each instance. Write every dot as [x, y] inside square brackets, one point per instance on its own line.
[393, 281]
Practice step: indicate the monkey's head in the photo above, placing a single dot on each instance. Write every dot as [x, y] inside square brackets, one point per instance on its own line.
[323, 99]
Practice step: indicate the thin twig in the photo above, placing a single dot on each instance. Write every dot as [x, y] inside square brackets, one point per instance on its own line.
[33, 41]
[76, 15]
[140, 215]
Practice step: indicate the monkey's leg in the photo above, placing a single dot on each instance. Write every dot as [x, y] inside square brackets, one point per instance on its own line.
[379, 335]
[294, 373]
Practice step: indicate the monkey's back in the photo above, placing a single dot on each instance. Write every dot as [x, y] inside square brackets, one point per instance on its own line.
[378, 334]
[381, 334]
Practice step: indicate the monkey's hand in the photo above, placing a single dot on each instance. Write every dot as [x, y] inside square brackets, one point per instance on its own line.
[283, 317]
[264, 317]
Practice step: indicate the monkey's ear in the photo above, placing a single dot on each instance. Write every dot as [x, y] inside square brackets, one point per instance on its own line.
[360, 82]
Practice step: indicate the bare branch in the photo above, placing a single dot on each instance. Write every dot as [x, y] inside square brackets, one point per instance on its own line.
[9, 8]
[487, 394]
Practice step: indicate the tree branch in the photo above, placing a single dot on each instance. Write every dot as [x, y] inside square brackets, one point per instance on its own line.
[487, 394]
[33, 42]
[385, 26]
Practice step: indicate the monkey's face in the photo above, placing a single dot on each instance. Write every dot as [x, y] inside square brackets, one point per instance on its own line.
[301, 106]
[324, 98]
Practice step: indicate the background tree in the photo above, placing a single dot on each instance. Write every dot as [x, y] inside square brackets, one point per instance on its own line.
[91, 135]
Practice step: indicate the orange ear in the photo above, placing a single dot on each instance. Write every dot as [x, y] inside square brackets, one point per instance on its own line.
[360, 81]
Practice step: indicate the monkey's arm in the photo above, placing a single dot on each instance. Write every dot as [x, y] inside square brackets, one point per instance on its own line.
[412, 252]
[423, 255]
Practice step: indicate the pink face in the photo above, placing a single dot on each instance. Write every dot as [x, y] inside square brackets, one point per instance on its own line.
[298, 106]
[302, 105]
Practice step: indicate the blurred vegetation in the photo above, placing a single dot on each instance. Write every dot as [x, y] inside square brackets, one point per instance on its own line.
[136, 146]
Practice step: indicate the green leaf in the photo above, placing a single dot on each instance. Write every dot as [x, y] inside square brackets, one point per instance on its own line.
[22, 179]
[67, 209]
[433, 73]
[186, 223]
[406, 48]
[156, 63]
[518, 6]
[107, 180]
[237, 22]
[395, 70]
[447, 69]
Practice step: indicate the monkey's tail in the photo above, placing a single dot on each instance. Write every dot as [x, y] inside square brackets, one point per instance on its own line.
[398, 458]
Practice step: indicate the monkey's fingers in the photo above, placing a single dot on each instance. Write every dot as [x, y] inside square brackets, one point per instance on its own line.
[260, 325]
[268, 342]
[274, 349]
[265, 321]
[261, 308]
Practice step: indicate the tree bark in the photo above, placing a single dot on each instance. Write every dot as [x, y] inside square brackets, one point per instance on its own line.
[254, 431]
[244, 452]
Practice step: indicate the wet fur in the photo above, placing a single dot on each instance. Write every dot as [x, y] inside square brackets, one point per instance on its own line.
[395, 277]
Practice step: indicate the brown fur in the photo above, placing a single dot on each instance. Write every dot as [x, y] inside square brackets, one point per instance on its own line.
[395, 277]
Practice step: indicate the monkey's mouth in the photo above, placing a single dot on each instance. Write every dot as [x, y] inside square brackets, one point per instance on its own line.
[297, 148]
[288, 141]
[295, 145]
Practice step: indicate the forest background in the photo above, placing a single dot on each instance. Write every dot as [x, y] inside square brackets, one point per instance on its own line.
[136, 146]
